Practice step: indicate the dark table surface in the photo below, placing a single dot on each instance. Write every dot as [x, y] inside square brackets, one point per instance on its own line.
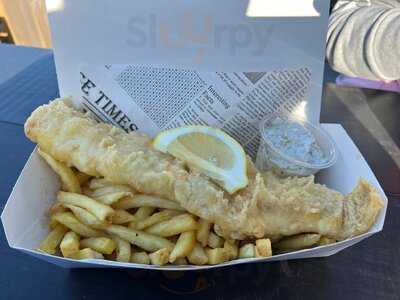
[368, 270]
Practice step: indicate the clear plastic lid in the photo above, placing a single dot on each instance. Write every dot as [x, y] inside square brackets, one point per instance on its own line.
[272, 156]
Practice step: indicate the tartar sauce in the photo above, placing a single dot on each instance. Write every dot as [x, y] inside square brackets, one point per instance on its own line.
[295, 141]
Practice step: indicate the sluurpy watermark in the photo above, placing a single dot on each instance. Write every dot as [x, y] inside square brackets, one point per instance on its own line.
[200, 32]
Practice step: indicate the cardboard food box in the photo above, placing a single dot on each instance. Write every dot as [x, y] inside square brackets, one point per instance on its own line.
[225, 63]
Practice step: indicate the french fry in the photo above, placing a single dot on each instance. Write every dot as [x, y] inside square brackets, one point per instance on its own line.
[56, 208]
[218, 230]
[325, 241]
[215, 241]
[82, 177]
[86, 217]
[203, 232]
[146, 200]
[247, 251]
[123, 250]
[102, 245]
[176, 225]
[112, 198]
[157, 218]
[159, 257]
[53, 224]
[298, 242]
[110, 190]
[69, 244]
[183, 246]
[216, 256]
[140, 258]
[69, 220]
[99, 210]
[198, 256]
[67, 176]
[232, 249]
[87, 253]
[122, 216]
[139, 238]
[189, 240]
[263, 248]
[97, 183]
[53, 239]
[180, 261]
[143, 212]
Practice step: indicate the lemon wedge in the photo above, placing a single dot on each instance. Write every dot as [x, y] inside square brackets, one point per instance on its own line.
[208, 150]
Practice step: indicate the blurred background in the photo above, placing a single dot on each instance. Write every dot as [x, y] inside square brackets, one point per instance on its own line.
[24, 22]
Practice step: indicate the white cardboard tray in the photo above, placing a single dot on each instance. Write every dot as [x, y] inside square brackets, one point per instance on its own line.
[26, 223]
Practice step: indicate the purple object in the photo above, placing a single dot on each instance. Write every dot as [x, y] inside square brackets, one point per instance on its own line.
[392, 86]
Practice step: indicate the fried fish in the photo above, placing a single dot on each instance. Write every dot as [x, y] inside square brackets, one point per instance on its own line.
[268, 207]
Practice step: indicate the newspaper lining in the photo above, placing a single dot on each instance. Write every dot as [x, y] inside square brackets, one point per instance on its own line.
[150, 99]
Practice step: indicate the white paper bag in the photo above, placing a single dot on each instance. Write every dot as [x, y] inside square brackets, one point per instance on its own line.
[201, 35]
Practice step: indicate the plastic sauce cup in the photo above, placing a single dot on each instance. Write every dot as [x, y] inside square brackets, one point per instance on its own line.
[269, 157]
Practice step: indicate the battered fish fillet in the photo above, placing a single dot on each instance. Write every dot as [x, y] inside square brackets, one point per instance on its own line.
[268, 207]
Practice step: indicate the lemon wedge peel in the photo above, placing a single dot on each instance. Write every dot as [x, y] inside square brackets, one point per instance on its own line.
[231, 179]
